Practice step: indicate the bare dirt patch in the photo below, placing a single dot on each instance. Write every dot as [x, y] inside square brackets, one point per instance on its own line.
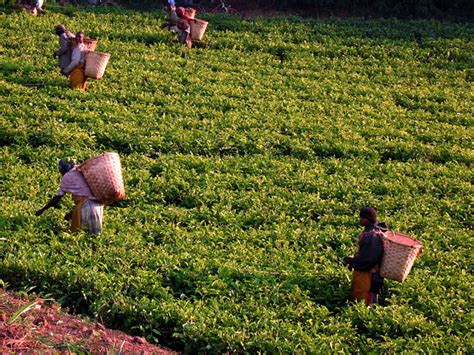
[28, 325]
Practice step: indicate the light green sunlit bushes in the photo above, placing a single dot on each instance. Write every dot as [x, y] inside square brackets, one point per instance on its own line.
[246, 160]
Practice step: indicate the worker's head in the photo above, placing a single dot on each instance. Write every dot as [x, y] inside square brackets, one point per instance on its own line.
[60, 29]
[180, 11]
[80, 37]
[65, 165]
[368, 216]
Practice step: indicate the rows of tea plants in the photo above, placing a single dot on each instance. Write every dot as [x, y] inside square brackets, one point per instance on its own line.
[246, 160]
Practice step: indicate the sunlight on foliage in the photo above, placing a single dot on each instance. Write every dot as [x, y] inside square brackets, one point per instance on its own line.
[246, 160]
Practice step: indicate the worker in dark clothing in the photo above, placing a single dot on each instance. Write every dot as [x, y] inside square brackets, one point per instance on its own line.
[367, 284]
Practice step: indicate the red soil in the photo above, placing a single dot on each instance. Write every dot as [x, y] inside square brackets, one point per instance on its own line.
[37, 325]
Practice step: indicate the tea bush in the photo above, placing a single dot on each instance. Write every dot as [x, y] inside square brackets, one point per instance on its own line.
[246, 160]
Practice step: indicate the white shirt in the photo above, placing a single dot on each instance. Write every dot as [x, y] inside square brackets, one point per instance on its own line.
[77, 57]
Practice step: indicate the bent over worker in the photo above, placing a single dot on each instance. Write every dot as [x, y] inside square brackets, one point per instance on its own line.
[76, 68]
[33, 7]
[367, 284]
[172, 23]
[87, 213]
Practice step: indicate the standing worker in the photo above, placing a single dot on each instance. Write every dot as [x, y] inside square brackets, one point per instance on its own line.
[65, 46]
[184, 27]
[87, 213]
[367, 284]
[76, 69]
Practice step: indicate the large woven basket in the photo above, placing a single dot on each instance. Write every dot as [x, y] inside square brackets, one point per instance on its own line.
[191, 12]
[103, 174]
[198, 27]
[91, 43]
[96, 62]
[400, 252]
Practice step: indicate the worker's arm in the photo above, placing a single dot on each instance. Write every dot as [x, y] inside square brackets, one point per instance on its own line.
[53, 202]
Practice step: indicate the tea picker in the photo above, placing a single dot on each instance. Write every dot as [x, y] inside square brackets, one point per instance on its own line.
[65, 46]
[76, 68]
[184, 27]
[85, 62]
[93, 184]
[172, 17]
[380, 253]
[182, 21]
[87, 211]
[367, 283]
[33, 7]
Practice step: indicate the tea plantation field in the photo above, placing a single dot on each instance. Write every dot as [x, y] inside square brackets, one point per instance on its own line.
[246, 160]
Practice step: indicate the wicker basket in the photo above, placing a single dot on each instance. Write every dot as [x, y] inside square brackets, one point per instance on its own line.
[190, 12]
[400, 252]
[91, 43]
[103, 174]
[198, 27]
[95, 64]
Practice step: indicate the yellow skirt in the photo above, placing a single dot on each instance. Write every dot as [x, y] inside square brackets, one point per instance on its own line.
[361, 282]
[76, 221]
[77, 79]
[87, 215]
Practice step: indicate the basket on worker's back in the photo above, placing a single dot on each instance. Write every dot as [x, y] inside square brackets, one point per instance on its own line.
[96, 62]
[190, 12]
[103, 174]
[400, 252]
[91, 43]
[198, 27]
